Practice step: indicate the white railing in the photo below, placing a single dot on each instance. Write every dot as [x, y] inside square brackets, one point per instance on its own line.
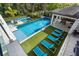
[65, 44]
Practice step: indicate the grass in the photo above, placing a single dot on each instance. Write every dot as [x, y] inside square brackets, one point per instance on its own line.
[49, 29]
[29, 44]
[35, 41]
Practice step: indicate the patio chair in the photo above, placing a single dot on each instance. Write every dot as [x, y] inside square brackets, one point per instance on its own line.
[59, 31]
[56, 34]
[54, 39]
[48, 45]
[39, 52]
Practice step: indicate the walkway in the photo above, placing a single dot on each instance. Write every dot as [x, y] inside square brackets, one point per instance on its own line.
[14, 49]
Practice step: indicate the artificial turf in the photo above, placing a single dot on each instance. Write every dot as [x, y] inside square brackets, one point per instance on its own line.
[34, 41]
[29, 44]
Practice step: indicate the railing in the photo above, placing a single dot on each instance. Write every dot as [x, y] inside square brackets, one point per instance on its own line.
[1, 53]
[3, 48]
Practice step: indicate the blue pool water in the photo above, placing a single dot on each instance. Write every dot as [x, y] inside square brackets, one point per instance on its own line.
[23, 19]
[26, 30]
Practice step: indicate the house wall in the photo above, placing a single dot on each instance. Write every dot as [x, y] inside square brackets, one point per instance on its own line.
[52, 19]
[74, 26]
[77, 28]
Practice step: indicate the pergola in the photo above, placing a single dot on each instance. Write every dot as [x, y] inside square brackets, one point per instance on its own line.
[71, 12]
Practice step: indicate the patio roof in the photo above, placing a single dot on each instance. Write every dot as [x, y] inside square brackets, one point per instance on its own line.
[72, 11]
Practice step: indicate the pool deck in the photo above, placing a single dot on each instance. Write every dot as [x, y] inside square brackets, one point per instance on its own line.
[14, 49]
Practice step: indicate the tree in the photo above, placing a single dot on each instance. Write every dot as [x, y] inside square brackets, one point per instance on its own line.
[52, 6]
[11, 11]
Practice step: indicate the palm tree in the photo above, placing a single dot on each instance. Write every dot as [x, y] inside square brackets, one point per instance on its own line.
[11, 11]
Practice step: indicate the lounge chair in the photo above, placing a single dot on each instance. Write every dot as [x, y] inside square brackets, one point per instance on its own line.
[39, 52]
[53, 39]
[59, 31]
[47, 44]
[56, 34]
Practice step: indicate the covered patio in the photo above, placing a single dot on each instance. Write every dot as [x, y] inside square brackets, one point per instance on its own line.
[67, 19]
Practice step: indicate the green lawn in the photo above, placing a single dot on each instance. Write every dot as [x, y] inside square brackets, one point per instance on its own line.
[29, 44]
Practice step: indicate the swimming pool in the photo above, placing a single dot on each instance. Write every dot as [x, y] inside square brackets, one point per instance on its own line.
[26, 30]
[24, 19]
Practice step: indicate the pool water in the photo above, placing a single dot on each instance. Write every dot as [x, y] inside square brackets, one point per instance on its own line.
[26, 30]
[23, 19]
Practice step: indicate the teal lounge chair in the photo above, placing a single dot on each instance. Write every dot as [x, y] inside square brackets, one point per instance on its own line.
[53, 39]
[39, 52]
[56, 34]
[59, 31]
[47, 44]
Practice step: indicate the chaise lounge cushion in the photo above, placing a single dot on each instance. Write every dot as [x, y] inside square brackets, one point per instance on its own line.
[59, 31]
[56, 34]
[52, 38]
[39, 52]
[47, 44]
